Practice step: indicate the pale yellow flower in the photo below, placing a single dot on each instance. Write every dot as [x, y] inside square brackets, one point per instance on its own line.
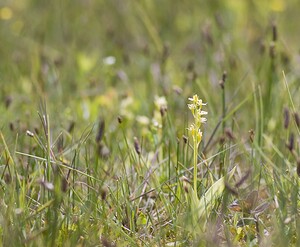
[195, 128]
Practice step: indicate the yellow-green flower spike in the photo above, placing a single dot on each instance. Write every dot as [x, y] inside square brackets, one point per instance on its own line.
[195, 128]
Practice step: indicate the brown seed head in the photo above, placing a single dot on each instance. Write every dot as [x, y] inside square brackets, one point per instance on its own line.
[297, 119]
[223, 80]
[272, 50]
[71, 127]
[120, 119]
[290, 144]
[251, 135]
[222, 140]
[29, 133]
[11, 126]
[100, 133]
[229, 134]
[185, 139]
[286, 117]
[103, 193]
[163, 110]
[137, 146]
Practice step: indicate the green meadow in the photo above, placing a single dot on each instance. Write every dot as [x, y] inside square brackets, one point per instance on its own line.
[149, 123]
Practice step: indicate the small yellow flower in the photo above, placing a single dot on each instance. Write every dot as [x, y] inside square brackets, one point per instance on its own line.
[192, 129]
[203, 112]
[196, 101]
[199, 136]
[202, 119]
[192, 106]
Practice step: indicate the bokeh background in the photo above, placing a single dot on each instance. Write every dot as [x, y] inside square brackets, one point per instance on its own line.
[57, 49]
[87, 76]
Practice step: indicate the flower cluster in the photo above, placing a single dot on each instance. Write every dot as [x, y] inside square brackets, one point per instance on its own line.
[196, 108]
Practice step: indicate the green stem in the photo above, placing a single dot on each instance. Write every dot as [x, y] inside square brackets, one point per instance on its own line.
[223, 110]
[195, 164]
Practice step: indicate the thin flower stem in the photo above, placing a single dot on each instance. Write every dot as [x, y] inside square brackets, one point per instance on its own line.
[195, 164]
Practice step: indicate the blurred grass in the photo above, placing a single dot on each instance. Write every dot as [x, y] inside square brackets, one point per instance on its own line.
[67, 66]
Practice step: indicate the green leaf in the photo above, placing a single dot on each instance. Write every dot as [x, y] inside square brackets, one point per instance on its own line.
[201, 208]
[142, 219]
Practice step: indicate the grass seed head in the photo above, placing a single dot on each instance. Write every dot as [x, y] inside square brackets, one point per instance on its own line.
[103, 193]
[290, 144]
[223, 80]
[100, 133]
[222, 139]
[120, 119]
[251, 135]
[11, 126]
[163, 110]
[29, 133]
[137, 146]
[36, 130]
[229, 134]
[185, 139]
[64, 184]
[71, 126]
[286, 117]
[297, 119]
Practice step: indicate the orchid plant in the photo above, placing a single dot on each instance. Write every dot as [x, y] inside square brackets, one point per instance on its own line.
[195, 106]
